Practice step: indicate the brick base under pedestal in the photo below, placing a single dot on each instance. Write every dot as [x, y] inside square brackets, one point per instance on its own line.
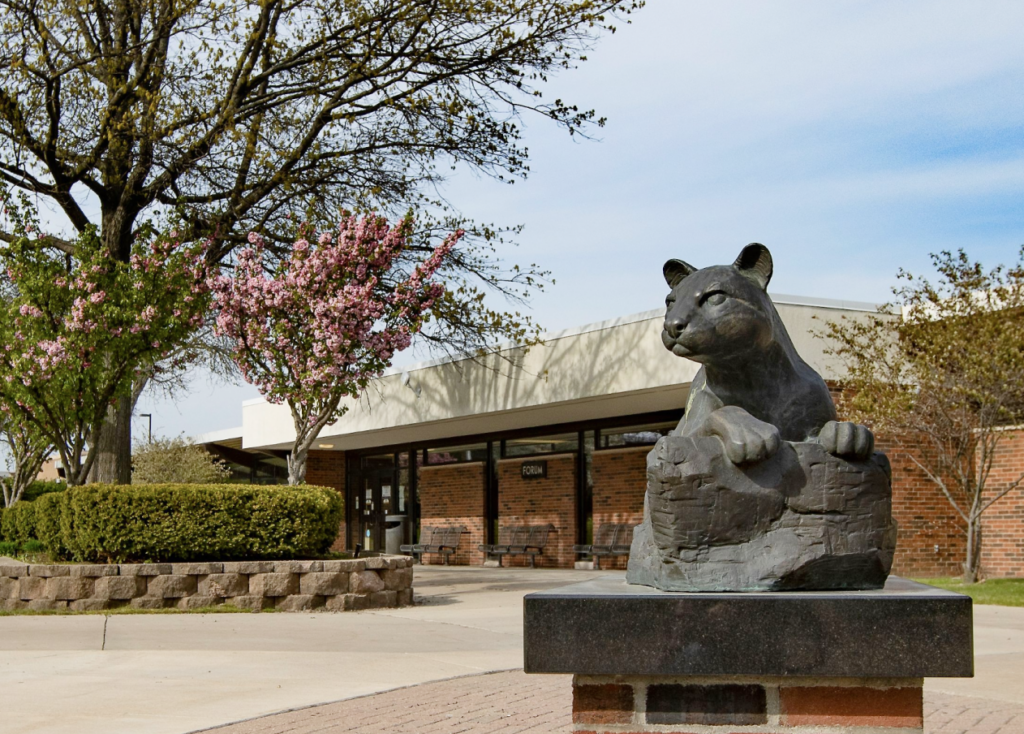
[733, 705]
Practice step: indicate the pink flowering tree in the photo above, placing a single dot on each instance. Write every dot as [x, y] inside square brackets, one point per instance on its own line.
[77, 330]
[325, 321]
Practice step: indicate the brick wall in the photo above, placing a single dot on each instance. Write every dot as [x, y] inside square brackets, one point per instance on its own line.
[620, 480]
[537, 501]
[451, 495]
[930, 541]
[1002, 525]
[327, 469]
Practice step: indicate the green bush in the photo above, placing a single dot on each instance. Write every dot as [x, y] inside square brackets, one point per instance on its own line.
[9, 548]
[176, 461]
[179, 522]
[18, 523]
[39, 488]
[49, 509]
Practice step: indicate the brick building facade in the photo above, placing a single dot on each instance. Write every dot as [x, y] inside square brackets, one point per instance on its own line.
[454, 495]
[931, 538]
[444, 444]
[327, 469]
[1002, 524]
[549, 500]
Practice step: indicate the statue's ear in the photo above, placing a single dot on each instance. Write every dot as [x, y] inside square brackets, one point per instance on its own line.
[755, 262]
[675, 271]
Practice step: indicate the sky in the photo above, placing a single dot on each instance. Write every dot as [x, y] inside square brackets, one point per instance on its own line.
[851, 138]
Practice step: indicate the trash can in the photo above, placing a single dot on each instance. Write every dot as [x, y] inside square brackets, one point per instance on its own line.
[395, 533]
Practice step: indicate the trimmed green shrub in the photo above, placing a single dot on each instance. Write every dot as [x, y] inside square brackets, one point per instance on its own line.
[189, 522]
[39, 488]
[18, 523]
[49, 509]
[9, 548]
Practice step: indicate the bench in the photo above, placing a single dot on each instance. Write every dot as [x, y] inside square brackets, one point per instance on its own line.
[519, 540]
[443, 541]
[611, 539]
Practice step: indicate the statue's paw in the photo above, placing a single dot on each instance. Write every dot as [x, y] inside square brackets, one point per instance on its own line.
[745, 438]
[851, 440]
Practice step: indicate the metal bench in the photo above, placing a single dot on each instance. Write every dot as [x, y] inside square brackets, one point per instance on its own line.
[508, 536]
[611, 539]
[519, 540]
[443, 541]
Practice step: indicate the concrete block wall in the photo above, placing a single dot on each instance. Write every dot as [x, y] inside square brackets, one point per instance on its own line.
[451, 495]
[538, 501]
[293, 586]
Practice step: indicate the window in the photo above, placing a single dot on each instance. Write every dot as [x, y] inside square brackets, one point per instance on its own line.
[269, 469]
[457, 454]
[619, 438]
[379, 461]
[534, 445]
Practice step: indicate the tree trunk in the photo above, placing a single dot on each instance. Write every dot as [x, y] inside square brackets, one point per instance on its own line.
[297, 466]
[972, 562]
[113, 463]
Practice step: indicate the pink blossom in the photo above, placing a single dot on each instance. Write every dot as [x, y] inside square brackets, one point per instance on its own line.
[325, 326]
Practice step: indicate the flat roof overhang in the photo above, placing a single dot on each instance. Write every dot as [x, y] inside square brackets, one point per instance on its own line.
[652, 400]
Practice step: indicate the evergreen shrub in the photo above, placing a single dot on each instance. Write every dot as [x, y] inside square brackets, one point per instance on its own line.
[18, 523]
[185, 522]
[39, 488]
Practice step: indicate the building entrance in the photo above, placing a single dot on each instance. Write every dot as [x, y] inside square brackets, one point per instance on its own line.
[380, 502]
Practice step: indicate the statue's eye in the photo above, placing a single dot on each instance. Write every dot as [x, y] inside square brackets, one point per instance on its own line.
[714, 298]
[670, 300]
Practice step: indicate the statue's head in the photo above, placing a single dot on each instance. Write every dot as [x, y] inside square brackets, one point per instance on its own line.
[722, 311]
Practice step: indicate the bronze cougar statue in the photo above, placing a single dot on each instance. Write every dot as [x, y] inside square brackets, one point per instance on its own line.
[759, 487]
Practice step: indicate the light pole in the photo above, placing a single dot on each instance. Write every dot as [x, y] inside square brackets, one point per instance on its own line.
[150, 416]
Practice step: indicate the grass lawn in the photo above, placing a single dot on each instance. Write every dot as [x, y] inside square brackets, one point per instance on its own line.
[1006, 592]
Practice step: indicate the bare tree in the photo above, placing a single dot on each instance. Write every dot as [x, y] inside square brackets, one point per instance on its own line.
[240, 114]
[942, 372]
[27, 449]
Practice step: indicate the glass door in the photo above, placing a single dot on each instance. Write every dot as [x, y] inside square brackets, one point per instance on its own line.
[381, 503]
[371, 515]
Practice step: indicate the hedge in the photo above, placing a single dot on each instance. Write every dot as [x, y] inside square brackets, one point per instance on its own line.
[18, 523]
[180, 522]
[41, 488]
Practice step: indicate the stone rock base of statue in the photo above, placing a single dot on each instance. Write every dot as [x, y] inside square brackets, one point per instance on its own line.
[647, 661]
[801, 519]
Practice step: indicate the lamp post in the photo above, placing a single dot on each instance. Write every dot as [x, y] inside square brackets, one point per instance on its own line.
[150, 416]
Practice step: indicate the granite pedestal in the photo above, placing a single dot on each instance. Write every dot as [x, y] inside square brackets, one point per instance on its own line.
[646, 660]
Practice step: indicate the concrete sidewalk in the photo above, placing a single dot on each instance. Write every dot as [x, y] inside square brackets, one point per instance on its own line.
[178, 673]
[181, 673]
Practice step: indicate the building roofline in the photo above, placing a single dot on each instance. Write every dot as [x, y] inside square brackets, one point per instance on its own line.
[778, 298]
[224, 434]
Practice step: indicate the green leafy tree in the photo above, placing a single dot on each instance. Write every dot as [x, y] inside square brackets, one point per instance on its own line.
[239, 113]
[176, 461]
[941, 371]
[76, 330]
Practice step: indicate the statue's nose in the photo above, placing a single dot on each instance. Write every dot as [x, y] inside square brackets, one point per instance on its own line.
[674, 325]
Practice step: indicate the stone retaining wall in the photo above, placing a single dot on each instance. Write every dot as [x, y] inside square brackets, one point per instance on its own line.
[291, 586]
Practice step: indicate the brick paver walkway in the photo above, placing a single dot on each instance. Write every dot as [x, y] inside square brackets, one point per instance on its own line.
[516, 703]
